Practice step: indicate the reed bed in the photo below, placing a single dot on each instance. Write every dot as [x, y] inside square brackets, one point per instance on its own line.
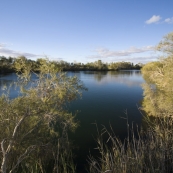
[148, 151]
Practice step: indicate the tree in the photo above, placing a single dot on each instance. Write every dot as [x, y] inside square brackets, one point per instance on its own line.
[6, 64]
[158, 93]
[37, 122]
[166, 45]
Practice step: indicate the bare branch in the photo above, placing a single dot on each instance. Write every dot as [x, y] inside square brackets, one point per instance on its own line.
[23, 156]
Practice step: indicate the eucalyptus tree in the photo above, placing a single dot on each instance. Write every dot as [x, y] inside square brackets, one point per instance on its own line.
[166, 44]
[34, 125]
[158, 93]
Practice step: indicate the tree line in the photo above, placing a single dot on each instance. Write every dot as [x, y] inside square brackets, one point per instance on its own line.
[7, 65]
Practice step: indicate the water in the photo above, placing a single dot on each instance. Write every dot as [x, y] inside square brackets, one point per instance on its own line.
[110, 97]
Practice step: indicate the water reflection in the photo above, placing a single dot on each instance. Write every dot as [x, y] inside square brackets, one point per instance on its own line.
[109, 95]
[126, 77]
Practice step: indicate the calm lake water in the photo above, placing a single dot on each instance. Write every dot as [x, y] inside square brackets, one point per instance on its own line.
[109, 96]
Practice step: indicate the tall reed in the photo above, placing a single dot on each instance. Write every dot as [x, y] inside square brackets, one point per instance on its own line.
[150, 151]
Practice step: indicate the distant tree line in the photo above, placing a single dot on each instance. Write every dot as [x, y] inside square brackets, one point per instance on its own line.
[7, 65]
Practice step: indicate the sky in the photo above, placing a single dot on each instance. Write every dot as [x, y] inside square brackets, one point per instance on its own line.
[84, 30]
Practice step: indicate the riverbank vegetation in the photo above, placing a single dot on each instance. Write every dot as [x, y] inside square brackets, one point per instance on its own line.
[7, 65]
[150, 150]
[34, 126]
[158, 90]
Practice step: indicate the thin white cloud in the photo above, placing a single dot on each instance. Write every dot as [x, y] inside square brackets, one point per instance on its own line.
[129, 55]
[2, 45]
[153, 19]
[8, 52]
[169, 20]
[143, 59]
[106, 53]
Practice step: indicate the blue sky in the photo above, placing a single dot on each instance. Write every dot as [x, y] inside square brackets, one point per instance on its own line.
[84, 30]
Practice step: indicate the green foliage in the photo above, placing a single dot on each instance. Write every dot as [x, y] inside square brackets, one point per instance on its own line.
[12, 64]
[6, 64]
[166, 45]
[37, 122]
[158, 93]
